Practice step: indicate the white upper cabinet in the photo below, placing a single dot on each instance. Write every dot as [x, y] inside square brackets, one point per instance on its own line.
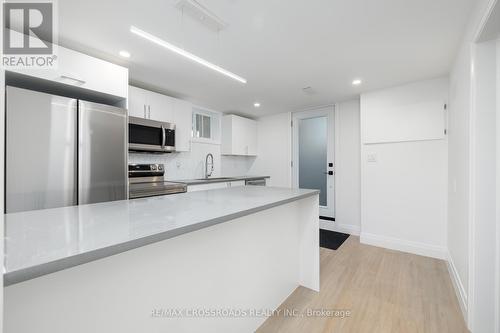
[160, 107]
[183, 123]
[239, 136]
[150, 105]
[80, 70]
[137, 102]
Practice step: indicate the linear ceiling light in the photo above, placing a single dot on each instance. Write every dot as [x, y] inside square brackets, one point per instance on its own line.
[184, 53]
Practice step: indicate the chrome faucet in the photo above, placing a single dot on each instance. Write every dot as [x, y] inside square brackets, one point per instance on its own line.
[208, 174]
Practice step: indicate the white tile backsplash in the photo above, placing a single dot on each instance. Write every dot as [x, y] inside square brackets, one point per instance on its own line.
[191, 165]
[236, 165]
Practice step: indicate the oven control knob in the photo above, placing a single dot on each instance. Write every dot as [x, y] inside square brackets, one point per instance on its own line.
[153, 167]
[160, 167]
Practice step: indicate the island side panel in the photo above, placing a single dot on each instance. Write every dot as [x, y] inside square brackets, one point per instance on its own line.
[309, 242]
[250, 263]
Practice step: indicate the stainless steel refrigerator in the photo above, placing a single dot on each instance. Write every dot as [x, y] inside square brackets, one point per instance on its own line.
[62, 151]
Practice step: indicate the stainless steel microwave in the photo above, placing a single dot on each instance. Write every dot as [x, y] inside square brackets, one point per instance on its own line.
[150, 135]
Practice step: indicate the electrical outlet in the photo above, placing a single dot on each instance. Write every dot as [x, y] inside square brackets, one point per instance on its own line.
[372, 158]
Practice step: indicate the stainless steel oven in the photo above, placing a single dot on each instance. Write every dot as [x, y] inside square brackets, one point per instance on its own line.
[147, 180]
[150, 135]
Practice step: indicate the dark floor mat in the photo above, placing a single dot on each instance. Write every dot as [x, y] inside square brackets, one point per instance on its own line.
[330, 239]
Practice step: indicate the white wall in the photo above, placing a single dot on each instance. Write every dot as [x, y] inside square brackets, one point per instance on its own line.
[402, 114]
[274, 156]
[274, 149]
[459, 158]
[404, 188]
[347, 168]
[191, 165]
[458, 172]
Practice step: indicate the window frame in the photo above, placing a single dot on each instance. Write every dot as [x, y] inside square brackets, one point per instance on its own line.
[215, 125]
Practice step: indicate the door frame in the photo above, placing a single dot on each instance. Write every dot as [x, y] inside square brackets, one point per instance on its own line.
[329, 112]
[471, 309]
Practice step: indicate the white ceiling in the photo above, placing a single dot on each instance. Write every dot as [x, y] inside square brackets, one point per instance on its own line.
[280, 47]
[491, 29]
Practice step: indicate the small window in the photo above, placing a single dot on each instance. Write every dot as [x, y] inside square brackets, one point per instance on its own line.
[203, 126]
[206, 125]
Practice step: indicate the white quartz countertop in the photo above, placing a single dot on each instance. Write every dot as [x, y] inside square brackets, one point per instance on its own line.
[46, 241]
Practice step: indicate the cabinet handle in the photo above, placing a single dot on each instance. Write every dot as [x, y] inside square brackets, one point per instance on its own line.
[145, 117]
[66, 77]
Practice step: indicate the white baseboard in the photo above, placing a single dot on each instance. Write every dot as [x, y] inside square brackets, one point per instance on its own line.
[439, 252]
[458, 286]
[338, 227]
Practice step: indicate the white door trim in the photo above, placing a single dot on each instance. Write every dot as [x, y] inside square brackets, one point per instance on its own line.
[329, 111]
[472, 182]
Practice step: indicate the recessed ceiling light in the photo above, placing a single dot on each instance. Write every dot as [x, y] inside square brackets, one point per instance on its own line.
[257, 105]
[186, 54]
[356, 82]
[125, 54]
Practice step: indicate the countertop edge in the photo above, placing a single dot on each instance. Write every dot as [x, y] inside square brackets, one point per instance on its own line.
[25, 274]
[193, 182]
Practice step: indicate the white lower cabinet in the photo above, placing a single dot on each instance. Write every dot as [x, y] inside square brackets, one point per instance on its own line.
[203, 187]
[236, 183]
[213, 186]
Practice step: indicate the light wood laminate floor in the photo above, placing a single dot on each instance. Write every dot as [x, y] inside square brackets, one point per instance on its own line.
[384, 290]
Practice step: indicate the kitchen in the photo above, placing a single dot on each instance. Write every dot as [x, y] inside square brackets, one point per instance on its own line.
[170, 168]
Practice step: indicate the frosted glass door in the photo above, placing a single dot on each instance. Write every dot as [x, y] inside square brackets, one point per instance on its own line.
[313, 154]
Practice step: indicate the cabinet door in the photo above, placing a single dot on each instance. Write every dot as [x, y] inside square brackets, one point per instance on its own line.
[227, 136]
[204, 187]
[80, 70]
[137, 102]
[93, 73]
[160, 107]
[252, 137]
[183, 119]
[239, 133]
[237, 183]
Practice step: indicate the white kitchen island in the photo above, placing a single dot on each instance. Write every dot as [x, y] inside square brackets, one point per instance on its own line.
[208, 261]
